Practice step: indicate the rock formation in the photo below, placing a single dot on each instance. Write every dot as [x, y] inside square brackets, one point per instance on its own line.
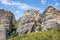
[30, 22]
[6, 23]
[51, 18]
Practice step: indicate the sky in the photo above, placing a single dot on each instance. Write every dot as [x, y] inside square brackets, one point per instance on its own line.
[17, 7]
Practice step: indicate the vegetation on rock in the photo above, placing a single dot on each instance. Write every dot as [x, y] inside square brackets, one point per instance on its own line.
[13, 33]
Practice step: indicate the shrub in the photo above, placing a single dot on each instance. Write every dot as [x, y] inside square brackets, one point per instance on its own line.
[53, 34]
[13, 33]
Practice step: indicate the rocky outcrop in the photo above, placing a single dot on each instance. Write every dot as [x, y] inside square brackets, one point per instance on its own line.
[33, 21]
[6, 23]
[30, 22]
[51, 18]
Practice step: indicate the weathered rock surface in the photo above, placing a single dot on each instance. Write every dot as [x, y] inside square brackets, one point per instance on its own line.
[32, 20]
[50, 24]
[51, 18]
[6, 23]
[29, 22]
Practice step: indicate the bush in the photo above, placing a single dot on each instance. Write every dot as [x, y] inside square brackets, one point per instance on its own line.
[13, 33]
[53, 34]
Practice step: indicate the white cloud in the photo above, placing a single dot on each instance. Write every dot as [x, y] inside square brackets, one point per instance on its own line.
[26, 6]
[17, 12]
[43, 1]
[56, 4]
[18, 4]
[7, 2]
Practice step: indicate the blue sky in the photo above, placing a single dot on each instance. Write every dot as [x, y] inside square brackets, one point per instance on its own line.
[17, 7]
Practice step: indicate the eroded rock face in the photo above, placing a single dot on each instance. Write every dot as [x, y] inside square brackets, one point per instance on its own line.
[6, 23]
[32, 20]
[29, 22]
[50, 24]
[51, 18]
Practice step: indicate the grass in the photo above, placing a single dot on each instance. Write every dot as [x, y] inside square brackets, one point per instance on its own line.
[53, 34]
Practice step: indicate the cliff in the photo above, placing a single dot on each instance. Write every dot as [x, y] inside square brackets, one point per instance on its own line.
[29, 22]
[6, 23]
[51, 18]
